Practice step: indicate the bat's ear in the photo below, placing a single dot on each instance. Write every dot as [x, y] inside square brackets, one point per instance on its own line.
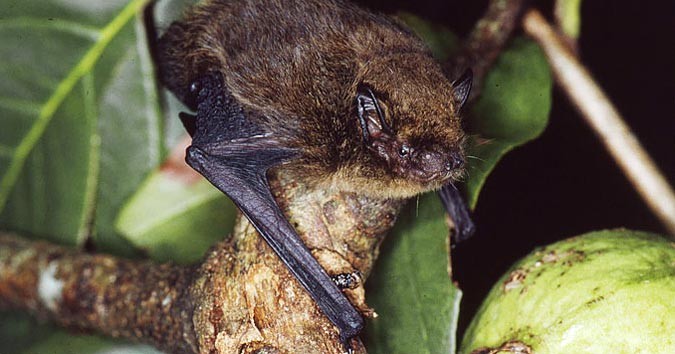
[462, 87]
[371, 117]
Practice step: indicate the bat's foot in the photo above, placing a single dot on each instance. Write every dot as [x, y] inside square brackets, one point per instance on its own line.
[349, 331]
[347, 280]
[464, 230]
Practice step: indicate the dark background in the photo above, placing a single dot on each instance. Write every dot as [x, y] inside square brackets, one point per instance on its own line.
[565, 183]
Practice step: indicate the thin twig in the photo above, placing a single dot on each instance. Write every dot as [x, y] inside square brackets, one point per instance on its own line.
[603, 117]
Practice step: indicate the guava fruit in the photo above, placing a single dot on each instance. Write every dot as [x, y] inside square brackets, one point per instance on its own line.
[603, 292]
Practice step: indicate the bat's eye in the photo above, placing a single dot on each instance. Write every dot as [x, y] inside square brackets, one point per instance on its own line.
[194, 87]
[192, 95]
[404, 151]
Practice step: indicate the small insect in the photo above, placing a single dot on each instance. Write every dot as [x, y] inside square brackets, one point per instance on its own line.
[342, 98]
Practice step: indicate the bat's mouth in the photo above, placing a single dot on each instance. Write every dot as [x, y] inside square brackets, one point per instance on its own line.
[431, 167]
[435, 180]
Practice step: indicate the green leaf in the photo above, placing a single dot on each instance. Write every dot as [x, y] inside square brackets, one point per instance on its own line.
[411, 289]
[175, 220]
[75, 75]
[513, 109]
[130, 125]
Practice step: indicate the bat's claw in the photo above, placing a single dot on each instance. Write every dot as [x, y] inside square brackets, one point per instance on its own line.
[347, 345]
[463, 231]
[347, 280]
[349, 331]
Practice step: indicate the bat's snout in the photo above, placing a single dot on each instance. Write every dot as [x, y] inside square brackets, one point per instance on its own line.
[432, 165]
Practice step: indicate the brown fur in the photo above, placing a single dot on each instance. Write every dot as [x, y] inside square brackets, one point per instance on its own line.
[298, 63]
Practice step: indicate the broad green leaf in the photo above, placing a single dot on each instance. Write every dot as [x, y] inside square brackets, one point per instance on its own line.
[411, 289]
[174, 129]
[171, 219]
[76, 77]
[130, 125]
[512, 109]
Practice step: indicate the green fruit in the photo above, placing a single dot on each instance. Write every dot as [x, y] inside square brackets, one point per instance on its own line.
[602, 292]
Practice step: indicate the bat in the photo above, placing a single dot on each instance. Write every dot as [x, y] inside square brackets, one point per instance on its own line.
[342, 98]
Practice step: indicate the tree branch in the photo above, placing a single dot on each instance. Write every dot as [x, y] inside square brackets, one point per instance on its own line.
[605, 120]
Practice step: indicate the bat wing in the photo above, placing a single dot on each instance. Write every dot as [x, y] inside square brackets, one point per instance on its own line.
[235, 155]
[458, 212]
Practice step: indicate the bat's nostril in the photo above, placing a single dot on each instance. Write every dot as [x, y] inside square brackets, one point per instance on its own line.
[456, 161]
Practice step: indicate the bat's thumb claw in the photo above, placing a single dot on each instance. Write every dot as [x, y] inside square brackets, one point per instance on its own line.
[196, 158]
